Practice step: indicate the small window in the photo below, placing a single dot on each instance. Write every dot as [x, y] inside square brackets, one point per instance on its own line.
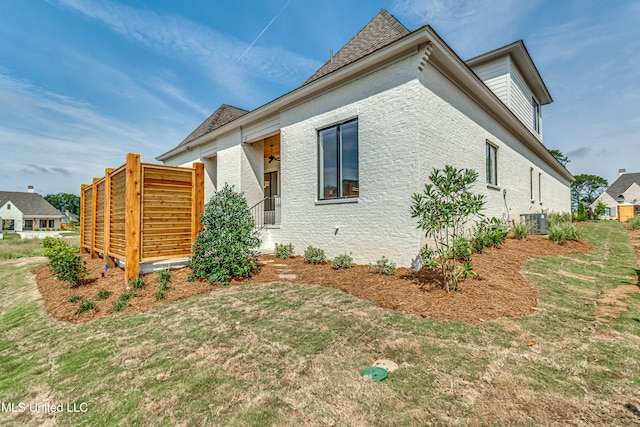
[536, 115]
[338, 161]
[8, 206]
[539, 186]
[8, 225]
[492, 164]
[531, 183]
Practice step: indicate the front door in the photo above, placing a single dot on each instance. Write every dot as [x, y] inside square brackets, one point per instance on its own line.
[270, 191]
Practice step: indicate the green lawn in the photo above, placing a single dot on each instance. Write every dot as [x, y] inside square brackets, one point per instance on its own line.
[285, 354]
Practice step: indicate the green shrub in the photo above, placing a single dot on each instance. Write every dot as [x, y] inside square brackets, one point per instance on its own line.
[227, 245]
[119, 305]
[85, 306]
[127, 297]
[560, 233]
[75, 298]
[634, 222]
[314, 255]
[489, 232]
[342, 261]
[443, 209]
[64, 261]
[555, 218]
[165, 279]
[284, 251]
[461, 249]
[384, 266]
[137, 283]
[103, 294]
[522, 230]
[159, 294]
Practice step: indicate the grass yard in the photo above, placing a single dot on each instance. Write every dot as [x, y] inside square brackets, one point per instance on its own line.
[13, 247]
[285, 354]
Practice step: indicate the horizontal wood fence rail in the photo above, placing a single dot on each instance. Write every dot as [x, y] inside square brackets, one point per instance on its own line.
[141, 212]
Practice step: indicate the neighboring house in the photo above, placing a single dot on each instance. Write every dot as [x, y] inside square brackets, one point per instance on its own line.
[67, 217]
[622, 199]
[27, 211]
[334, 163]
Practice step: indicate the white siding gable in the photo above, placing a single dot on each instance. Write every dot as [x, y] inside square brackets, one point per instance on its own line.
[496, 76]
[504, 79]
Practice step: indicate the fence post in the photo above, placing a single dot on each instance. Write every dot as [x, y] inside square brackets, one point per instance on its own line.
[94, 216]
[197, 199]
[83, 206]
[107, 217]
[132, 218]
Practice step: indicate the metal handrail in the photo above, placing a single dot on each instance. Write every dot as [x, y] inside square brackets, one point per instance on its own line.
[266, 212]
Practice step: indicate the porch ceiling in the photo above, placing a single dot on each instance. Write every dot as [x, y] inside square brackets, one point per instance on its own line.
[272, 146]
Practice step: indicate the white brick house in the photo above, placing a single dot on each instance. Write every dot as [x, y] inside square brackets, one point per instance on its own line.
[345, 151]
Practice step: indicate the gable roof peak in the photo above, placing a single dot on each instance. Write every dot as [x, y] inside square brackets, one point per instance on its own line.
[381, 31]
[223, 115]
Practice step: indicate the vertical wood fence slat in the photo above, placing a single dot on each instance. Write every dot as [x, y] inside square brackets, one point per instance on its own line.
[141, 212]
[197, 198]
[94, 211]
[107, 216]
[83, 203]
[132, 220]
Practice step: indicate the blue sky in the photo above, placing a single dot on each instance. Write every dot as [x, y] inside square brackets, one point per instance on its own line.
[83, 82]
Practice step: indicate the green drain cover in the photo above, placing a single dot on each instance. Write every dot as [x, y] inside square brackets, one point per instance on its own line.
[375, 373]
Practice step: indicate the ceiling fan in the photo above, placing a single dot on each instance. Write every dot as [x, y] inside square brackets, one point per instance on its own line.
[271, 156]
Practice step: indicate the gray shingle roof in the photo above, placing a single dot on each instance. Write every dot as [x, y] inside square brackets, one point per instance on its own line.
[623, 183]
[381, 31]
[223, 115]
[29, 203]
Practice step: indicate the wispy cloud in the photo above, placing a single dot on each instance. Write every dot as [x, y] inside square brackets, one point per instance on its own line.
[64, 141]
[40, 170]
[463, 23]
[192, 42]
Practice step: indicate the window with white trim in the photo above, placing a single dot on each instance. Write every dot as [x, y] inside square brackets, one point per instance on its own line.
[536, 115]
[338, 175]
[539, 186]
[492, 164]
[531, 183]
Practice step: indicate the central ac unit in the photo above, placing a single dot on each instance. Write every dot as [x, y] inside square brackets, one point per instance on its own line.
[538, 222]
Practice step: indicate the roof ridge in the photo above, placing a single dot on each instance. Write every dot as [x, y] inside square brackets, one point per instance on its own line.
[382, 30]
[224, 114]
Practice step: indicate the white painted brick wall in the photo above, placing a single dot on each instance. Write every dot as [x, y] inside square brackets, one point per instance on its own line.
[409, 123]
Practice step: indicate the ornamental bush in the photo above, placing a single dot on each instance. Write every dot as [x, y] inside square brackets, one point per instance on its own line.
[522, 230]
[284, 251]
[384, 266]
[443, 209]
[561, 232]
[314, 255]
[342, 261]
[227, 245]
[64, 261]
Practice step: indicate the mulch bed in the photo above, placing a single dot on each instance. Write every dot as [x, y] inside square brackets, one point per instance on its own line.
[498, 291]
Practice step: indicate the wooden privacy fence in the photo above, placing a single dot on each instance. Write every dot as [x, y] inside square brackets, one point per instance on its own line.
[141, 212]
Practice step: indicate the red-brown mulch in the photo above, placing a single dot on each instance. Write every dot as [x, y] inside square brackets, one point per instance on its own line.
[499, 291]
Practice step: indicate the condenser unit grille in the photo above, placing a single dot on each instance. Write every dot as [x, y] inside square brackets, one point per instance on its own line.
[537, 221]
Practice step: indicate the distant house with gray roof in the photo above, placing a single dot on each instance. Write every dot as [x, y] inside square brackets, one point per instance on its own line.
[622, 198]
[26, 211]
[334, 162]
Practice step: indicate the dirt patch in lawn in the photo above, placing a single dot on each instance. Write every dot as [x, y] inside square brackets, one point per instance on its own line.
[498, 291]
[610, 304]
